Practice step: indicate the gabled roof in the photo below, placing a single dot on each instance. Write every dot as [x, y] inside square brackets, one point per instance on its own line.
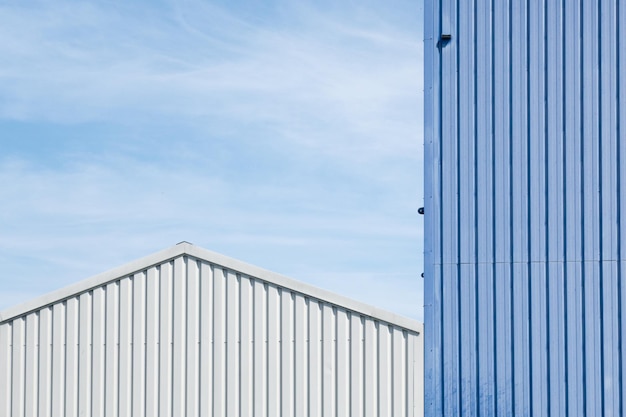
[188, 249]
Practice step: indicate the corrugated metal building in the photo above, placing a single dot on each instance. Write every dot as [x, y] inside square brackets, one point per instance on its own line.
[525, 173]
[187, 332]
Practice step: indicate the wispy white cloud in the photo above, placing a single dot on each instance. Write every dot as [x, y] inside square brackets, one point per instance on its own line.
[97, 62]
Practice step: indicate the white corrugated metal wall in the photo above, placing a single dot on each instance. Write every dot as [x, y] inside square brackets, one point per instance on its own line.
[190, 338]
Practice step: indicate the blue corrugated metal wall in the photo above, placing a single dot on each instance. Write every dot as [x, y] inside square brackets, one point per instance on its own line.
[525, 173]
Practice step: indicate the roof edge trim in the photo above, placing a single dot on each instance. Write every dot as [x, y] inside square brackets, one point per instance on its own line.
[235, 265]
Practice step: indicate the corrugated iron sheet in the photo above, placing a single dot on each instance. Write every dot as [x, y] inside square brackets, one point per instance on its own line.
[187, 337]
[525, 173]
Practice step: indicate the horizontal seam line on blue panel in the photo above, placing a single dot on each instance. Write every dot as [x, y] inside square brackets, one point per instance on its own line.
[530, 262]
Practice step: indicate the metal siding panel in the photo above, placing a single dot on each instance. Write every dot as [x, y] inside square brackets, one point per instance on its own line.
[85, 355]
[384, 370]
[622, 330]
[329, 365]
[556, 338]
[260, 350]
[484, 134]
[433, 326]
[574, 339]
[192, 365]
[302, 344]
[58, 360]
[111, 386]
[71, 358]
[610, 340]
[18, 367]
[621, 144]
[286, 352]
[450, 341]
[232, 344]
[152, 342]
[418, 392]
[6, 372]
[593, 382]
[554, 131]
[572, 108]
[432, 158]
[139, 345]
[371, 380]
[537, 138]
[503, 340]
[609, 124]
[31, 382]
[539, 363]
[485, 299]
[412, 396]
[343, 363]
[449, 134]
[356, 365]
[44, 402]
[125, 375]
[247, 347]
[521, 348]
[519, 132]
[469, 363]
[501, 164]
[179, 346]
[206, 339]
[273, 351]
[467, 118]
[315, 358]
[165, 338]
[99, 351]
[219, 342]
[399, 367]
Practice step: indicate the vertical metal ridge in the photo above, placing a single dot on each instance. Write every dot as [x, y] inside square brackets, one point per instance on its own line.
[457, 197]
[152, 364]
[476, 255]
[529, 247]
[7, 366]
[273, 349]
[219, 341]
[99, 352]
[510, 222]
[619, 149]
[85, 345]
[18, 367]
[125, 347]
[179, 382]
[72, 353]
[165, 338]
[206, 338]
[138, 337]
[286, 352]
[564, 235]
[600, 204]
[58, 366]
[31, 364]
[247, 346]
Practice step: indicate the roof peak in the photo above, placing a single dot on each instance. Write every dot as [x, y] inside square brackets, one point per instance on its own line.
[185, 248]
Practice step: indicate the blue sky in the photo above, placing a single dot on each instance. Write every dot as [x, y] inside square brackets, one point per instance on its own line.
[287, 134]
